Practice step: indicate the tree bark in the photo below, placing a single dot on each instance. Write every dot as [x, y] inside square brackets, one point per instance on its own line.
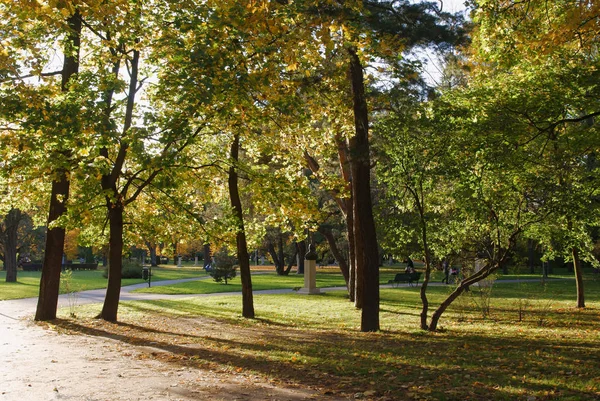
[115, 261]
[578, 278]
[10, 242]
[152, 249]
[424, 285]
[279, 264]
[242, 247]
[291, 260]
[531, 255]
[115, 202]
[351, 253]
[207, 255]
[336, 253]
[55, 236]
[301, 247]
[364, 225]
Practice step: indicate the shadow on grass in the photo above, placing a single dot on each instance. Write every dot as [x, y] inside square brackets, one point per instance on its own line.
[455, 365]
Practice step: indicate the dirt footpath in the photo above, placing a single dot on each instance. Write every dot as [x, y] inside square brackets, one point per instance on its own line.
[40, 364]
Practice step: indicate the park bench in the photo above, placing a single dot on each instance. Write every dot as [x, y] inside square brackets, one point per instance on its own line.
[31, 267]
[82, 266]
[409, 278]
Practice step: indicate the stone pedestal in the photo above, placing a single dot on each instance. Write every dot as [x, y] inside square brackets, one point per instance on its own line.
[195, 260]
[179, 262]
[310, 274]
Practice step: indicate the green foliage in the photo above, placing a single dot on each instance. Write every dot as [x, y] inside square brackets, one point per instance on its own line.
[224, 267]
[130, 269]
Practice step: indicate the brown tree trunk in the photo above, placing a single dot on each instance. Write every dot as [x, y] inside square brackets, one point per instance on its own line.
[55, 237]
[10, 242]
[531, 255]
[291, 262]
[301, 247]
[578, 278]
[242, 247]
[424, 300]
[336, 253]
[115, 203]
[364, 225]
[115, 261]
[152, 249]
[279, 264]
[351, 253]
[207, 255]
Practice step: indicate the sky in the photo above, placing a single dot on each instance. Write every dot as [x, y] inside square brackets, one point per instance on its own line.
[432, 68]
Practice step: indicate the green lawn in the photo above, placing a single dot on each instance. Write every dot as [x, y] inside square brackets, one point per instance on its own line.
[533, 343]
[262, 281]
[28, 283]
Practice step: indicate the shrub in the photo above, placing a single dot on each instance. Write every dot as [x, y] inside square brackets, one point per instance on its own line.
[224, 267]
[128, 270]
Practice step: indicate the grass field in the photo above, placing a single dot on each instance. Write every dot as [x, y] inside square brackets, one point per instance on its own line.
[27, 284]
[532, 344]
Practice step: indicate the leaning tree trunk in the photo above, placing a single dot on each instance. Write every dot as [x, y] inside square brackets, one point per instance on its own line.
[365, 233]
[55, 237]
[242, 246]
[279, 263]
[464, 285]
[115, 262]
[578, 278]
[10, 240]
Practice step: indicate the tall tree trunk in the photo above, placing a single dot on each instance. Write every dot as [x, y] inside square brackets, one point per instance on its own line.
[531, 255]
[424, 300]
[336, 253]
[59, 195]
[10, 241]
[365, 234]
[351, 253]
[291, 261]
[301, 248]
[115, 261]
[242, 247]
[280, 251]
[115, 203]
[152, 249]
[207, 255]
[578, 278]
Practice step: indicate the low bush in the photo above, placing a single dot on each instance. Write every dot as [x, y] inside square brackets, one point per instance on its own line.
[129, 270]
[224, 268]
